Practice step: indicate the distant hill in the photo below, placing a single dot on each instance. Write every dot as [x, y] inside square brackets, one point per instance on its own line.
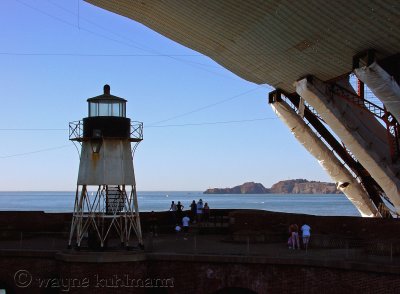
[303, 186]
[246, 188]
[298, 186]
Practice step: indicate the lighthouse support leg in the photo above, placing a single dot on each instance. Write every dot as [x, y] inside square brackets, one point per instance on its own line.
[73, 223]
[77, 216]
[137, 218]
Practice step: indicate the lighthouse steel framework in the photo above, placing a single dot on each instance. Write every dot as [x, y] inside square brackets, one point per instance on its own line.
[110, 208]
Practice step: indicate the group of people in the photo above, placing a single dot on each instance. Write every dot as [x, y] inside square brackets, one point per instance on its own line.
[294, 238]
[198, 211]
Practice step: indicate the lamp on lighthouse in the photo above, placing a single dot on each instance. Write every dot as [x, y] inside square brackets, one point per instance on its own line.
[96, 141]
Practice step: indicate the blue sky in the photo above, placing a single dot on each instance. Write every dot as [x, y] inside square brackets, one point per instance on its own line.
[52, 60]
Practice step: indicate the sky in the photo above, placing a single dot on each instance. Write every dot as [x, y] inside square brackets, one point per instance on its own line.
[204, 126]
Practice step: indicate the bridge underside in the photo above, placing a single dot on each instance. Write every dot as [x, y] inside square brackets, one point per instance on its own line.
[307, 50]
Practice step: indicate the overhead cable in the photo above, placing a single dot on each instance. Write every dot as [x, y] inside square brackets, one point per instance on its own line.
[36, 151]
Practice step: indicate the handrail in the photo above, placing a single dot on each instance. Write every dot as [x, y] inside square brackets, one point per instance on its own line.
[76, 131]
[136, 131]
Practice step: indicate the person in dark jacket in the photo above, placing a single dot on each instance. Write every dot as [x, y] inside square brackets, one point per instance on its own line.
[193, 211]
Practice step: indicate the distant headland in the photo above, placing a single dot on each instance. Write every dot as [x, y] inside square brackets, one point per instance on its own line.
[297, 186]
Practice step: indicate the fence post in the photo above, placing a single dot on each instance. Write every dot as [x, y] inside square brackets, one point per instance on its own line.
[347, 249]
[195, 244]
[20, 241]
[248, 245]
[391, 252]
[150, 245]
[308, 243]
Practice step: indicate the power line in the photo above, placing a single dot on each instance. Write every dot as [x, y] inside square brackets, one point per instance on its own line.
[151, 126]
[206, 106]
[137, 44]
[194, 64]
[75, 26]
[45, 13]
[162, 126]
[36, 151]
[160, 121]
[213, 123]
[79, 14]
[158, 126]
[31, 129]
[91, 55]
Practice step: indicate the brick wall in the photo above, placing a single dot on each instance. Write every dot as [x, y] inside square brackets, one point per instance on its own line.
[51, 275]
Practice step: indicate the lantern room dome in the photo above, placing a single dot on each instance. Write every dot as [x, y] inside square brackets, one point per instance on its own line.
[107, 105]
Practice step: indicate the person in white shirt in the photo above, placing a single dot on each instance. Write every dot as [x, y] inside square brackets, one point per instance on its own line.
[185, 224]
[173, 206]
[306, 233]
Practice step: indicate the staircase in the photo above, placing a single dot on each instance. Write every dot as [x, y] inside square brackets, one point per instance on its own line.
[114, 200]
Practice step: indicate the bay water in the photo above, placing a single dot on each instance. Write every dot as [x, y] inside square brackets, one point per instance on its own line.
[314, 204]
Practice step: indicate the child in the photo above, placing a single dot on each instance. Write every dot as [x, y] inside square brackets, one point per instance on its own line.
[177, 229]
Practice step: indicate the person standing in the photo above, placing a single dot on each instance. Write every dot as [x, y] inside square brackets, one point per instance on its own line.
[185, 224]
[206, 212]
[173, 210]
[193, 211]
[179, 210]
[173, 206]
[306, 233]
[294, 235]
[199, 210]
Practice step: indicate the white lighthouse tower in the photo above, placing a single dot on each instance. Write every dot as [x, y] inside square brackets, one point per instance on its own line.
[106, 201]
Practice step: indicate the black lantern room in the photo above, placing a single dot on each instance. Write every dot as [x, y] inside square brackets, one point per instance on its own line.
[106, 117]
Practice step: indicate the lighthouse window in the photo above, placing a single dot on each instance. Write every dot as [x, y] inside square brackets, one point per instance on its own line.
[93, 109]
[115, 109]
[104, 109]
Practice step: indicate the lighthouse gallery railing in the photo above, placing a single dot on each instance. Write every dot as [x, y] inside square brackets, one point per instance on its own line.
[76, 131]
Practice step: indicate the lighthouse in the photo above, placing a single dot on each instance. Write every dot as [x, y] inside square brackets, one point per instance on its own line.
[106, 204]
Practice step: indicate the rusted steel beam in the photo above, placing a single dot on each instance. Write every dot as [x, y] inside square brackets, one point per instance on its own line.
[360, 89]
[370, 185]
